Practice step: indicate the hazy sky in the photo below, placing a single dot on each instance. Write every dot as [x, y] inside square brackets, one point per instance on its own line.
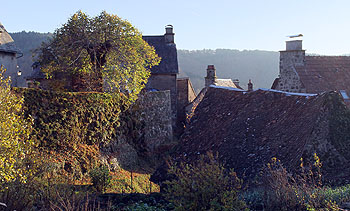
[204, 24]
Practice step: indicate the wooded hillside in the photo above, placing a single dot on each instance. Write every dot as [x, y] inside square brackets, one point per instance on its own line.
[260, 66]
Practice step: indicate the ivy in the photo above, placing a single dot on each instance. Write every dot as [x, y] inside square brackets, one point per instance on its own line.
[339, 124]
[70, 118]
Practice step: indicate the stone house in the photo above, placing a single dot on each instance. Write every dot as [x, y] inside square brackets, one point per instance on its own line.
[247, 129]
[312, 74]
[8, 56]
[163, 76]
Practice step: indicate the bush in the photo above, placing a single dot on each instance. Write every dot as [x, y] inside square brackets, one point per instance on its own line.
[100, 177]
[143, 207]
[205, 185]
[304, 191]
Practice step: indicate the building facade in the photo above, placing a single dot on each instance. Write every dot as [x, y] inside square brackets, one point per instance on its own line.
[8, 56]
[185, 96]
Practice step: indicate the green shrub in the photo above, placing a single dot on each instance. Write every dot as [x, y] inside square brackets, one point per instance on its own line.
[100, 177]
[204, 185]
[143, 207]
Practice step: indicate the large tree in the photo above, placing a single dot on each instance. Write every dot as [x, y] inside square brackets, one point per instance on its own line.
[96, 50]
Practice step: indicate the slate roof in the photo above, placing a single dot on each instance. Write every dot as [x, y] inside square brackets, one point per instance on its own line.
[249, 128]
[168, 53]
[6, 42]
[325, 73]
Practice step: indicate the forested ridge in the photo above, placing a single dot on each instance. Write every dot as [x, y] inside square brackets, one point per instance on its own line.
[259, 66]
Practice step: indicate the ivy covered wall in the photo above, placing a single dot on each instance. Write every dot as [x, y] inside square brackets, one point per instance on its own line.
[79, 129]
[72, 117]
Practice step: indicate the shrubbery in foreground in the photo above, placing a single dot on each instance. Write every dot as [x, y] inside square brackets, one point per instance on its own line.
[100, 178]
[204, 185]
[282, 190]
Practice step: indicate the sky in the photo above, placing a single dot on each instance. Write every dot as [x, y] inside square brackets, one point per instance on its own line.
[205, 24]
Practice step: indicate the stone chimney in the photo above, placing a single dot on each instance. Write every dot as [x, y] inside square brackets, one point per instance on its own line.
[169, 34]
[211, 76]
[294, 45]
[250, 86]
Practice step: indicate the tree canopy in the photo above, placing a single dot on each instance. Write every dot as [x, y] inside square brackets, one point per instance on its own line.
[95, 50]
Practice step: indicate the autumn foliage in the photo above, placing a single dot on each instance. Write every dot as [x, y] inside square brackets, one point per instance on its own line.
[95, 52]
[15, 142]
[204, 185]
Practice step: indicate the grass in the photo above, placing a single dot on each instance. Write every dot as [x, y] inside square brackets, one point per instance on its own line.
[121, 183]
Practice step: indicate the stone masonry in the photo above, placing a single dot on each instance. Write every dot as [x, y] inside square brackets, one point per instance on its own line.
[289, 80]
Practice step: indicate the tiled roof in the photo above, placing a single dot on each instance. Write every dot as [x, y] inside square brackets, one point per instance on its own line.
[325, 73]
[247, 129]
[168, 53]
[225, 82]
[6, 42]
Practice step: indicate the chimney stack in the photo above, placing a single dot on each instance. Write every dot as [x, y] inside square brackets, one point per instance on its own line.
[169, 34]
[250, 86]
[211, 75]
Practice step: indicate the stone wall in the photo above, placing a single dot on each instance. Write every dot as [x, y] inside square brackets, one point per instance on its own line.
[155, 112]
[162, 82]
[149, 132]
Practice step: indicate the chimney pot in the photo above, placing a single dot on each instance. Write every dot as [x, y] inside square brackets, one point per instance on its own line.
[211, 67]
[294, 45]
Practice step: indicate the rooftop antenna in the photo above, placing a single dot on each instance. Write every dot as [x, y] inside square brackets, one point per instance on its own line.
[295, 36]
